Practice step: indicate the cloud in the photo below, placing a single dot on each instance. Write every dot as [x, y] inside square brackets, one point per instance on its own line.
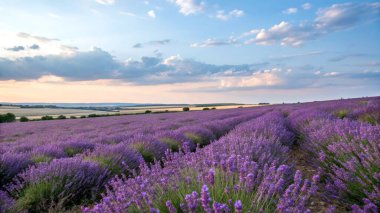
[345, 16]
[99, 65]
[221, 15]
[35, 47]
[137, 45]
[277, 78]
[79, 66]
[189, 7]
[159, 42]
[106, 2]
[331, 74]
[16, 48]
[38, 38]
[128, 13]
[335, 18]
[291, 10]
[152, 43]
[284, 33]
[249, 33]
[50, 79]
[214, 43]
[157, 53]
[287, 57]
[26, 45]
[346, 56]
[22, 48]
[256, 79]
[151, 13]
[372, 64]
[306, 6]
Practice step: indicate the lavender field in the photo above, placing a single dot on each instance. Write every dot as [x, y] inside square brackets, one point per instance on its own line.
[311, 157]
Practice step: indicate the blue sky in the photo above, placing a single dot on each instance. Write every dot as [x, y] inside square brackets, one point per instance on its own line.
[188, 51]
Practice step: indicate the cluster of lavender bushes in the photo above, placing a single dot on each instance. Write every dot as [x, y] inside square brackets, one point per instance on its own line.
[242, 171]
[346, 150]
[56, 165]
[210, 161]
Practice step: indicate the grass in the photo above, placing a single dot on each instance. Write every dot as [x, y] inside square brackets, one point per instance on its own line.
[35, 197]
[107, 162]
[146, 154]
[72, 151]
[342, 113]
[197, 139]
[369, 119]
[41, 158]
[172, 143]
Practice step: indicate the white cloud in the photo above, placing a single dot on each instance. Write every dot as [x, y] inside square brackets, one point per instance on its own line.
[152, 14]
[128, 13]
[291, 10]
[329, 74]
[17, 45]
[213, 43]
[346, 15]
[287, 57]
[251, 32]
[188, 7]
[221, 15]
[306, 6]
[172, 60]
[283, 32]
[106, 2]
[50, 79]
[268, 77]
[337, 17]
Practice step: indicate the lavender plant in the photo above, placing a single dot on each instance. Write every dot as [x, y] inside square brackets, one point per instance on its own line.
[57, 185]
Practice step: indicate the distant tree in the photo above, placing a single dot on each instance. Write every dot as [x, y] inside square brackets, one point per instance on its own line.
[82, 116]
[185, 109]
[47, 117]
[61, 117]
[24, 119]
[5, 118]
[147, 111]
[213, 108]
[92, 115]
[206, 108]
[73, 117]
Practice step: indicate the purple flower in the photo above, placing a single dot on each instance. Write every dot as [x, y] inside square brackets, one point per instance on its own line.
[211, 177]
[206, 199]
[170, 206]
[238, 206]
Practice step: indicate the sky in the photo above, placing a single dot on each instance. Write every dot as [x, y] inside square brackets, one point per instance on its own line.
[188, 51]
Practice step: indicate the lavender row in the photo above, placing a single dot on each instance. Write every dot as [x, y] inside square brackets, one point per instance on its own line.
[347, 152]
[242, 171]
[361, 109]
[69, 181]
[21, 137]
[150, 144]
